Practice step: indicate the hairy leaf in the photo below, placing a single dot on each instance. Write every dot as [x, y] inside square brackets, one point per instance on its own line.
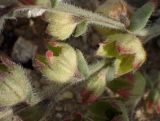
[141, 16]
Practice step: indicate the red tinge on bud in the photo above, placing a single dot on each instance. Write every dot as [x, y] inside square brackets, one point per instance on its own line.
[49, 55]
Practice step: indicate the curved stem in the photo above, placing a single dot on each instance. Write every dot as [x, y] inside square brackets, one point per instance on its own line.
[93, 18]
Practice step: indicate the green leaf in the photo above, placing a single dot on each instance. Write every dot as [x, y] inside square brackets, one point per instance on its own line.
[118, 83]
[110, 75]
[81, 29]
[138, 87]
[141, 16]
[56, 50]
[82, 64]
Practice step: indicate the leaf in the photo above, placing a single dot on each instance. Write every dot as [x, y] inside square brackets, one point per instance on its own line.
[81, 29]
[141, 16]
[110, 74]
[138, 88]
[118, 84]
[82, 64]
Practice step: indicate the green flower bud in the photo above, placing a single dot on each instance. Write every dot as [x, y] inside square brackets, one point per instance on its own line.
[14, 86]
[60, 63]
[128, 51]
[61, 25]
[96, 84]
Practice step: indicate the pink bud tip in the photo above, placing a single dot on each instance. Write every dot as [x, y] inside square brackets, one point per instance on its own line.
[49, 55]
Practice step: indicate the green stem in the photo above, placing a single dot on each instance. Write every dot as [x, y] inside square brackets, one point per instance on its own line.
[92, 18]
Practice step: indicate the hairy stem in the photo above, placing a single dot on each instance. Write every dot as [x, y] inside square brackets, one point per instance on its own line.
[92, 18]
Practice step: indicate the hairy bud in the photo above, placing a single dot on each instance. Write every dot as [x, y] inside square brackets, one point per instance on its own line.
[61, 25]
[14, 87]
[59, 64]
[128, 51]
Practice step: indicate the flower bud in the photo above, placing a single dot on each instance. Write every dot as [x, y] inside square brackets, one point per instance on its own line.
[61, 25]
[95, 87]
[14, 86]
[128, 51]
[59, 64]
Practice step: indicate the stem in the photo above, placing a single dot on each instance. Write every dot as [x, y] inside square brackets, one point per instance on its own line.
[93, 18]
[90, 16]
